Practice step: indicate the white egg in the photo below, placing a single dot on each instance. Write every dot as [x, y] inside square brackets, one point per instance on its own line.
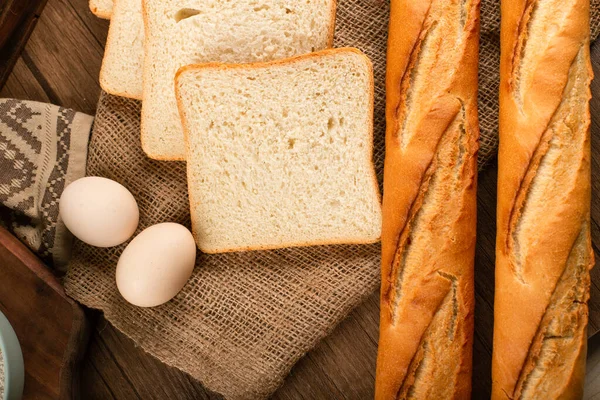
[156, 264]
[99, 211]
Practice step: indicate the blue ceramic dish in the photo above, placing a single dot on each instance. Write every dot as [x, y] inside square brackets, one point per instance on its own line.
[14, 370]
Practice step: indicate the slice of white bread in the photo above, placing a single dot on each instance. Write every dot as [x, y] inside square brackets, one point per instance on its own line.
[279, 154]
[101, 8]
[233, 31]
[122, 65]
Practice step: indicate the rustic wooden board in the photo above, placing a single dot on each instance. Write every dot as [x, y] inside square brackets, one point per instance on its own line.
[64, 70]
[592, 383]
[62, 59]
[51, 328]
[17, 21]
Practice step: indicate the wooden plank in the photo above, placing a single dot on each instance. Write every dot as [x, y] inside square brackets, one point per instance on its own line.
[64, 55]
[341, 366]
[97, 27]
[24, 85]
[594, 303]
[51, 328]
[130, 373]
[484, 283]
[304, 383]
[17, 21]
[592, 384]
[93, 384]
[16, 15]
[66, 61]
[101, 364]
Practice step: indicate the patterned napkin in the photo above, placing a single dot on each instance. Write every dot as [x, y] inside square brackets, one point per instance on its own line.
[43, 148]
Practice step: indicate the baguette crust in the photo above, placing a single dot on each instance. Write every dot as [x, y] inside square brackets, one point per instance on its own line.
[543, 248]
[429, 203]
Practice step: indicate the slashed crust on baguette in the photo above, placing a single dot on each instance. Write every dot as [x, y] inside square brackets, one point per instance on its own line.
[429, 203]
[543, 249]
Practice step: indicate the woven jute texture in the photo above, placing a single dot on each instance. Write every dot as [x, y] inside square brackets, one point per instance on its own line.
[244, 319]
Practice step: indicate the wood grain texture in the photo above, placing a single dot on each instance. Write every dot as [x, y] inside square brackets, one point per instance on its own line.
[51, 328]
[17, 21]
[61, 64]
[63, 57]
[591, 390]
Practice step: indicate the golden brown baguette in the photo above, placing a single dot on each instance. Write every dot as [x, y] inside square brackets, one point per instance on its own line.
[429, 205]
[543, 248]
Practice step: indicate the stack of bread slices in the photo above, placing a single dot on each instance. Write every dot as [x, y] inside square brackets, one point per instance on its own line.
[276, 128]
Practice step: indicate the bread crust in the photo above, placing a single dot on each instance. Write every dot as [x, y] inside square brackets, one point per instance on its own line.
[161, 157]
[543, 244]
[103, 82]
[271, 64]
[99, 12]
[332, 23]
[427, 297]
[150, 154]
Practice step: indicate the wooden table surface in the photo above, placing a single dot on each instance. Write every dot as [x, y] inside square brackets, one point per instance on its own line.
[51, 328]
[60, 65]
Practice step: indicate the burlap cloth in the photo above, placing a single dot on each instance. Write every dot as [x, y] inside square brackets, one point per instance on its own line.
[245, 318]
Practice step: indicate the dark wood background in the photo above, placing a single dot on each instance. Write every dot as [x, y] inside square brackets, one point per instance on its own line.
[60, 65]
[51, 328]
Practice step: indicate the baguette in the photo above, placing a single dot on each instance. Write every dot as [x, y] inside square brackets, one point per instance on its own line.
[543, 248]
[429, 205]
